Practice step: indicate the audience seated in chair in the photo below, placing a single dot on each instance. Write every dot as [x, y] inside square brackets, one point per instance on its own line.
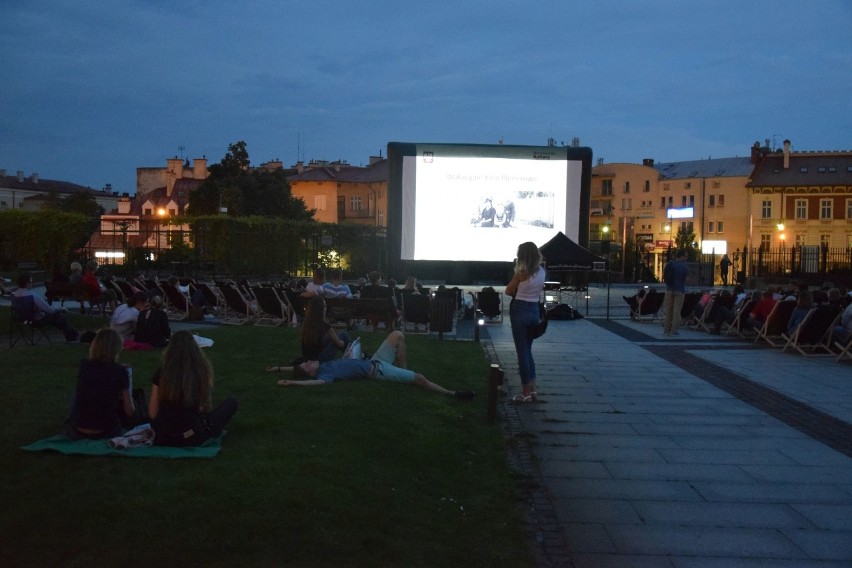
[152, 325]
[43, 312]
[96, 293]
[123, 319]
[804, 304]
[336, 288]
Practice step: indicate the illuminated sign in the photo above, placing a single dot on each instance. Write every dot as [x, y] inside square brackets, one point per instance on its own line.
[680, 213]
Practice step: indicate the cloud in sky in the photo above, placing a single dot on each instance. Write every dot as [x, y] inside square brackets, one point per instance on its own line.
[91, 91]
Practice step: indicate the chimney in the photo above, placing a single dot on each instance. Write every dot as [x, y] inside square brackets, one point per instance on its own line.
[300, 167]
[648, 162]
[375, 159]
[20, 175]
[34, 177]
[199, 168]
[786, 154]
[124, 206]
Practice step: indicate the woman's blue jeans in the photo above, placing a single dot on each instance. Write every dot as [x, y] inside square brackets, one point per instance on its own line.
[524, 317]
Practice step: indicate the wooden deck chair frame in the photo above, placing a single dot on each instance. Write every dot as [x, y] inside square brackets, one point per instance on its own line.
[845, 349]
[177, 304]
[775, 325]
[736, 327]
[813, 333]
[212, 296]
[698, 322]
[649, 306]
[238, 309]
[272, 311]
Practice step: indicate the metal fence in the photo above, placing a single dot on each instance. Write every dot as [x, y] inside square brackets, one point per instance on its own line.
[812, 264]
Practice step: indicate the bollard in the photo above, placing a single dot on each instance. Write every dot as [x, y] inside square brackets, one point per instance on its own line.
[495, 378]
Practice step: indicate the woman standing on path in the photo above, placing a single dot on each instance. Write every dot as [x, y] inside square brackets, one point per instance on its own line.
[525, 288]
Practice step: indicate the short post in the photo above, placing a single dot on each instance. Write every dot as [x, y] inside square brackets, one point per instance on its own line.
[495, 378]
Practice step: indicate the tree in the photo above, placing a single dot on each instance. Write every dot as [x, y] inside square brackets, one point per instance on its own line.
[685, 240]
[243, 191]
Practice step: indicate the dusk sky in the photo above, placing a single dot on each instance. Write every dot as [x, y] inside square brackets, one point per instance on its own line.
[91, 90]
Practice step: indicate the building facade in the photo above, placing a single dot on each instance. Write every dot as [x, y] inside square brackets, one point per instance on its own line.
[28, 193]
[340, 193]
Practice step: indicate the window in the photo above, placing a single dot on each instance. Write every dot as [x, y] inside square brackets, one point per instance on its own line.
[801, 209]
[803, 170]
[721, 200]
[825, 208]
[381, 217]
[717, 185]
[711, 201]
[319, 202]
[849, 208]
[832, 170]
[821, 169]
[647, 186]
[671, 201]
[173, 212]
[692, 201]
[2, 205]
[147, 211]
[663, 202]
[766, 209]
[800, 240]
[720, 227]
[355, 203]
[711, 227]
[627, 187]
[606, 187]
[687, 185]
[825, 240]
[765, 240]
[666, 186]
[683, 201]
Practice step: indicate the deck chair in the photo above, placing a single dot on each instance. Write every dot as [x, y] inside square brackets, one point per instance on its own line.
[648, 307]
[776, 324]
[295, 304]
[177, 304]
[687, 310]
[212, 296]
[23, 324]
[444, 311]
[490, 304]
[239, 310]
[737, 327]
[416, 310]
[718, 302]
[844, 348]
[126, 288]
[814, 332]
[273, 311]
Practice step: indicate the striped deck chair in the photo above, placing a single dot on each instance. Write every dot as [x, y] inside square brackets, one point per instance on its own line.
[737, 327]
[273, 312]
[845, 348]
[648, 308]
[239, 310]
[776, 324]
[813, 334]
[177, 304]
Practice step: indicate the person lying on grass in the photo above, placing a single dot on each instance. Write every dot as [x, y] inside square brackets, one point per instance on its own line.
[388, 364]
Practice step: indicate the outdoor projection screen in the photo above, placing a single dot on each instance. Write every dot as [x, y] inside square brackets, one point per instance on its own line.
[476, 203]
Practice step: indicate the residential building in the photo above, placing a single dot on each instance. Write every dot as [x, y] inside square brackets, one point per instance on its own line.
[341, 193]
[800, 198]
[28, 193]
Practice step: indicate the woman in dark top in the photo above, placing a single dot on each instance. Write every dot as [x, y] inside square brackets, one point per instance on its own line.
[102, 401]
[152, 324]
[181, 404]
[320, 342]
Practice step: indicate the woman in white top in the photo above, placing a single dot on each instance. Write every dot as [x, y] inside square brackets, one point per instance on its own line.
[525, 288]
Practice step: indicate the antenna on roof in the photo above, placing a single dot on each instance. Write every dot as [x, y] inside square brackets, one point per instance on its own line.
[181, 149]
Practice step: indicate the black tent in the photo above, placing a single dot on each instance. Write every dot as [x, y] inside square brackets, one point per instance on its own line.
[561, 254]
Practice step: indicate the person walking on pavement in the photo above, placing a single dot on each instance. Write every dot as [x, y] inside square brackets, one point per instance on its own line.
[674, 275]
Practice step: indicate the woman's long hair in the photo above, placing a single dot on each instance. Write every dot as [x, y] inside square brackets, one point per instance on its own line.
[186, 375]
[529, 258]
[314, 326]
[106, 346]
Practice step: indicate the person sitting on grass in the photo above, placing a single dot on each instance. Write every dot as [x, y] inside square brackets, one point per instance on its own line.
[388, 364]
[181, 404]
[102, 401]
[320, 341]
[152, 325]
[124, 317]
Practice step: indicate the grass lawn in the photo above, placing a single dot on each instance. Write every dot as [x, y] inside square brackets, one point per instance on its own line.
[360, 473]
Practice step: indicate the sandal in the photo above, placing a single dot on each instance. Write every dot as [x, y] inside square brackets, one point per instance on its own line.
[521, 398]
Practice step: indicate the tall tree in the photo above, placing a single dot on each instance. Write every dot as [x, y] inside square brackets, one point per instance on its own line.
[243, 191]
[685, 240]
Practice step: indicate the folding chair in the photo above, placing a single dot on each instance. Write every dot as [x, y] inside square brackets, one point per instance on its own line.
[776, 324]
[811, 334]
[274, 312]
[23, 323]
[417, 310]
[490, 304]
[242, 309]
[845, 348]
[648, 307]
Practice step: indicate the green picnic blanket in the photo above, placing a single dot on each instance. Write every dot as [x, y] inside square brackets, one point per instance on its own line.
[63, 445]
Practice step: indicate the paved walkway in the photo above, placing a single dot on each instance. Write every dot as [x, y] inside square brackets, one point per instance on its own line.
[692, 451]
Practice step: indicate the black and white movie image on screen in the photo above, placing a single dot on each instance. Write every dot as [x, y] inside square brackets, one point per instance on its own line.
[454, 200]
